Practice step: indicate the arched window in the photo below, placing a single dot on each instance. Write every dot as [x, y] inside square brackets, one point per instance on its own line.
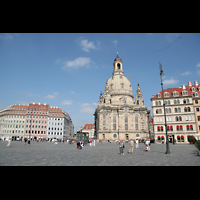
[114, 122]
[136, 119]
[118, 66]
[126, 122]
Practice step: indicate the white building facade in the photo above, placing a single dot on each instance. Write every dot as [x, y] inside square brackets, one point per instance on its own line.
[180, 115]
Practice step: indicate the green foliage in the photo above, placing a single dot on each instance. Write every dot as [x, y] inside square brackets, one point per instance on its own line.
[197, 144]
[191, 139]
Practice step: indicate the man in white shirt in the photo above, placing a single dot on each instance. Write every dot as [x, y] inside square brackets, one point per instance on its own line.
[131, 143]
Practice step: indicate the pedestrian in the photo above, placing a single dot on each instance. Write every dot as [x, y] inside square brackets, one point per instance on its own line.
[25, 141]
[131, 143]
[29, 141]
[137, 144]
[94, 142]
[148, 145]
[90, 142]
[121, 147]
[8, 145]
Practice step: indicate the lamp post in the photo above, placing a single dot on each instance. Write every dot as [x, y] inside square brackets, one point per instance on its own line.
[167, 141]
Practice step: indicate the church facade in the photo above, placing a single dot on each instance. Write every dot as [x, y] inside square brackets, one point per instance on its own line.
[119, 115]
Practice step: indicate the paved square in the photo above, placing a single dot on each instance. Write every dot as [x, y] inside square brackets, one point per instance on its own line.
[105, 154]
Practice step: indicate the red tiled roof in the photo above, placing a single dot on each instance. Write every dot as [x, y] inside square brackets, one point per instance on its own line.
[179, 90]
[89, 126]
[35, 105]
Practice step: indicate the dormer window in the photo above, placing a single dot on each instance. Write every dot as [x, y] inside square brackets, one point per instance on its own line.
[175, 94]
[166, 94]
[159, 95]
[185, 93]
[193, 89]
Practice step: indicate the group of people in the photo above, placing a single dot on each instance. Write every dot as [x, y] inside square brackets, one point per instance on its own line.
[131, 146]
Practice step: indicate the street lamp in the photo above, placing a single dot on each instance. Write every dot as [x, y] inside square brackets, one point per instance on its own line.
[167, 141]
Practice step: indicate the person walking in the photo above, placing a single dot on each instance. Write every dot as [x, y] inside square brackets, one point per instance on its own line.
[148, 145]
[137, 144]
[29, 141]
[25, 141]
[121, 147]
[131, 143]
[8, 145]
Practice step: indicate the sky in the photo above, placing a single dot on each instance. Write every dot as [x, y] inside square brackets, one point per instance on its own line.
[69, 70]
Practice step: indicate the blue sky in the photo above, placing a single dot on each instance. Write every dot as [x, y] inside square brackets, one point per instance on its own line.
[69, 70]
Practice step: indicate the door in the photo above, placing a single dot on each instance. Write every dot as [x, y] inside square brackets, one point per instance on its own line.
[103, 136]
[126, 136]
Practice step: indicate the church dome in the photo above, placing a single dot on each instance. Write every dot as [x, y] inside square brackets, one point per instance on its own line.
[119, 85]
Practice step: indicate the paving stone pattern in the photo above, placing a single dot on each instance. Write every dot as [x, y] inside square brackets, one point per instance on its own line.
[105, 154]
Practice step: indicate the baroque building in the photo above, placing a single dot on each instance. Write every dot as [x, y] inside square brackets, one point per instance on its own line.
[182, 107]
[35, 121]
[119, 115]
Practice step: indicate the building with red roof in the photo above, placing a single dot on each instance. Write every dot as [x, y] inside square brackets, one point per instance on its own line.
[36, 121]
[182, 107]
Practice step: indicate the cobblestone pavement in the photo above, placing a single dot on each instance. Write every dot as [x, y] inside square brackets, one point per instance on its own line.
[45, 154]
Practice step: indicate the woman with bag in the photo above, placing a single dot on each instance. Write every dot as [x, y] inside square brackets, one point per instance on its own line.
[121, 147]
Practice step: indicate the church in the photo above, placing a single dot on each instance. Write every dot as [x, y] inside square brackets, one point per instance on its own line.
[119, 115]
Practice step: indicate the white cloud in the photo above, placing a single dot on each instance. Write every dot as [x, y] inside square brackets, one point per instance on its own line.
[186, 73]
[170, 81]
[87, 108]
[72, 92]
[198, 65]
[77, 63]
[50, 96]
[88, 45]
[67, 102]
[115, 42]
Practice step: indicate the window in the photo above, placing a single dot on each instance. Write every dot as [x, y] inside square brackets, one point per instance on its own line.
[196, 101]
[159, 95]
[114, 122]
[104, 122]
[175, 94]
[193, 89]
[126, 122]
[166, 94]
[189, 127]
[136, 119]
[198, 118]
[111, 86]
[122, 85]
[118, 65]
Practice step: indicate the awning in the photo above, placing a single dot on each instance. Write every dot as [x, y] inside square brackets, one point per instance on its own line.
[158, 136]
[162, 136]
[182, 136]
[178, 135]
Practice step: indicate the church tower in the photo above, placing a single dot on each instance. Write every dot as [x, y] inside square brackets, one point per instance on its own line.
[118, 66]
[119, 115]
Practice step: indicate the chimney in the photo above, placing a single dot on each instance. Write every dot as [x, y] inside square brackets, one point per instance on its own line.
[196, 83]
[189, 83]
[183, 86]
[38, 103]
